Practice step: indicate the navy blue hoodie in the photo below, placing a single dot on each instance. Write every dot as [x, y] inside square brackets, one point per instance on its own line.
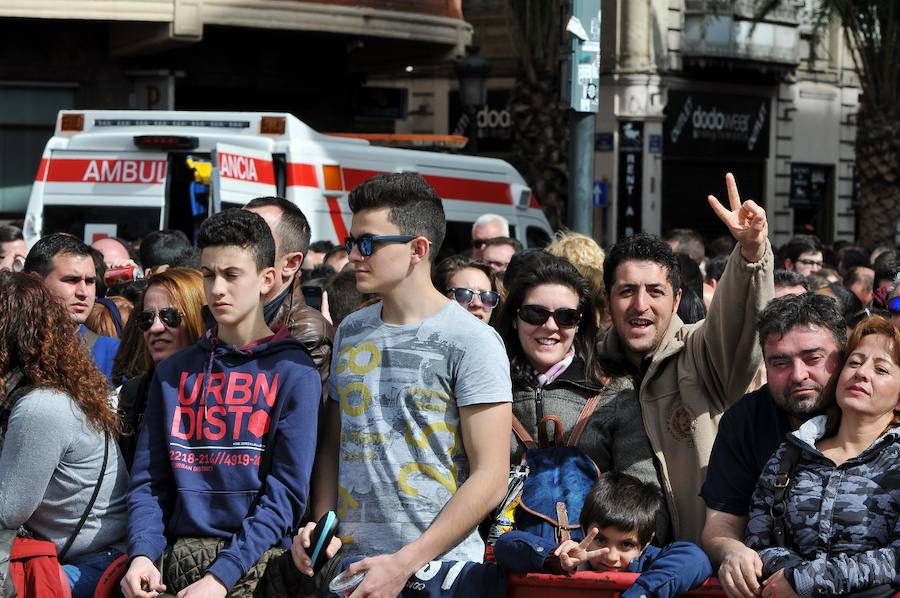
[197, 462]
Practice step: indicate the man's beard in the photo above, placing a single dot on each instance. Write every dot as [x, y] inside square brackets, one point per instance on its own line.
[808, 407]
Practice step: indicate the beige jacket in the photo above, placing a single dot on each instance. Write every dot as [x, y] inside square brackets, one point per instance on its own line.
[697, 372]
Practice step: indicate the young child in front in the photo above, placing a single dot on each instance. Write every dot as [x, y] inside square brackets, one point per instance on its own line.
[619, 514]
[229, 435]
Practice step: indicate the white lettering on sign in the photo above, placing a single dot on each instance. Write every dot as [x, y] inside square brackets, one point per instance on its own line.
[238, 167]
[149, 172]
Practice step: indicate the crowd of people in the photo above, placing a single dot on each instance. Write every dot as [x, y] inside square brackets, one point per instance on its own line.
[738, 406]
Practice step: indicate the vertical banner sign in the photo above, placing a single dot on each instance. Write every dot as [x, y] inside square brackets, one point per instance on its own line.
[631, 162]
[584, 74]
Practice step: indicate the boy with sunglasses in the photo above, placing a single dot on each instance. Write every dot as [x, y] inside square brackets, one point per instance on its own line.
[226, 449]
[410, 454]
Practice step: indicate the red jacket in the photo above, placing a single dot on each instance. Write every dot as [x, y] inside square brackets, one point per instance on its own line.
[34, 570]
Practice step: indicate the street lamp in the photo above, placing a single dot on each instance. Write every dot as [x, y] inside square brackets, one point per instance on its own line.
[472, 72]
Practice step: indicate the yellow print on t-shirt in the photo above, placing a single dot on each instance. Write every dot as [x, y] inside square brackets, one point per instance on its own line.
[357, 409]
[431, 430]
[407, 488]
[427, 399]
[349, 358]
[346, 502]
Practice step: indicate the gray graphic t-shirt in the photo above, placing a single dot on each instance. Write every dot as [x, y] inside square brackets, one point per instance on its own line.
[400, 389]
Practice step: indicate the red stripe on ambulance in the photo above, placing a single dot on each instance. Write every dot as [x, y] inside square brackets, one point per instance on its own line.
[446, 187]
[334, 210]
[142, 172]
[245, 168]
[42, 171]
[301, 175]
[470, 189]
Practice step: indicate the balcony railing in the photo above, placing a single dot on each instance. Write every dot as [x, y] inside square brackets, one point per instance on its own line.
[734, 30]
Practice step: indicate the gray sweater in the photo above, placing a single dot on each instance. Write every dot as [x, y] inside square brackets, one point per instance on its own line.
[49, 464]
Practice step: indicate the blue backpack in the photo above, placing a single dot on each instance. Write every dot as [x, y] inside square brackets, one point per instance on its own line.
[559, 478]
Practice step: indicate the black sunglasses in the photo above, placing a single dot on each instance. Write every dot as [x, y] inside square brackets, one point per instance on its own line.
[366, 242]
[169, 316]
[489, 299]
[536, 315]
[479, 243]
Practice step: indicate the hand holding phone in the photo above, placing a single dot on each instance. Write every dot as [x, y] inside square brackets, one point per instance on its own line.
[321, 538]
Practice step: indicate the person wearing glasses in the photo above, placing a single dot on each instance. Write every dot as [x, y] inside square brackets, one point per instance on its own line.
[472, 283]
[802, 254]
[548, 323]
[486, 227]
[12, 248]
[169, 316]
[408, 453]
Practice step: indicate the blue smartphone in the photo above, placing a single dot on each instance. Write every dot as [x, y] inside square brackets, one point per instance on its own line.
[321, 538]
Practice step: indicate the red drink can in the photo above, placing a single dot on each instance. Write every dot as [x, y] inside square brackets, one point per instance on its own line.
[122, 275]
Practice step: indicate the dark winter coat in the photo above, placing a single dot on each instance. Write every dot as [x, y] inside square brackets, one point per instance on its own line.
[843, 521]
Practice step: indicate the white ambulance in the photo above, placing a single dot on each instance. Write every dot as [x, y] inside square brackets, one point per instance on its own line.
[126, 173]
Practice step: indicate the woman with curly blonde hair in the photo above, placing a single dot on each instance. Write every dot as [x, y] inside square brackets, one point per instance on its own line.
[59, 462]
[587, 256]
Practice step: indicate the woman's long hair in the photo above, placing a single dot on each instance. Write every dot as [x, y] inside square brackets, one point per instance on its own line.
[543, 268]
[186, 287]
[37, 336]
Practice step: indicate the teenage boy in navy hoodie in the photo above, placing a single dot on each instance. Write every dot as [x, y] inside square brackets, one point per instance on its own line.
[208, 461]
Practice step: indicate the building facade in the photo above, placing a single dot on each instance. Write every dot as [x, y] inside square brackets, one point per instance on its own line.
[309, 58]
[691, 89]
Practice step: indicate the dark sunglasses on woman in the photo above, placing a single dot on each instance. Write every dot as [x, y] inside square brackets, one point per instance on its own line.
[489, 299]
[536, 315]
[169, 316]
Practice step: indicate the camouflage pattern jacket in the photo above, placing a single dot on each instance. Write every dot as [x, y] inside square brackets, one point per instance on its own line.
[842, 526]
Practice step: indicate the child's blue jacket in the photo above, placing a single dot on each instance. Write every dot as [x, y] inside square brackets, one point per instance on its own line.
[665, 572]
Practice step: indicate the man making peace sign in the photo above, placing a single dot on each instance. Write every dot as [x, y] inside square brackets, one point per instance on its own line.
[687, 375]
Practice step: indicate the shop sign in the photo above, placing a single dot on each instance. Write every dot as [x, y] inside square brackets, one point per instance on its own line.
[631, 166]
[701, 124]
[808, 186]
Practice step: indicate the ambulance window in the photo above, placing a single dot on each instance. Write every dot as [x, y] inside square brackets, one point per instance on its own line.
[132, 223]
[536, 237]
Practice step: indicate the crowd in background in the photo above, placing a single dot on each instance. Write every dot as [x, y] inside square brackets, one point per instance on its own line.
[652, 350]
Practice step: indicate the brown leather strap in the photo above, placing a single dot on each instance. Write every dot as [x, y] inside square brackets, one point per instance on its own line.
[543, 436]
[562, 515]
[582, 421]
[522, 434]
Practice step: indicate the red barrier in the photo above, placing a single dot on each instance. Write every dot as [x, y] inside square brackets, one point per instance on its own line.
[109, 581]
[588, 584]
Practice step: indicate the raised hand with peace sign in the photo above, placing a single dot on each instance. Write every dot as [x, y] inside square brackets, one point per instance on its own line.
[746, 221]
[610, 550]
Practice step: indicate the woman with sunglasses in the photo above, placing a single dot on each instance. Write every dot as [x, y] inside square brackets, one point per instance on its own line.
[472, 283]
[62, 477]
[170, 317]
[549, 325]
[825, 515]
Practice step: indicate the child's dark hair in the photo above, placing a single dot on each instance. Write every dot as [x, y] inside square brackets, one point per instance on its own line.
[240, 228]
[414, 206]
[623, 502]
